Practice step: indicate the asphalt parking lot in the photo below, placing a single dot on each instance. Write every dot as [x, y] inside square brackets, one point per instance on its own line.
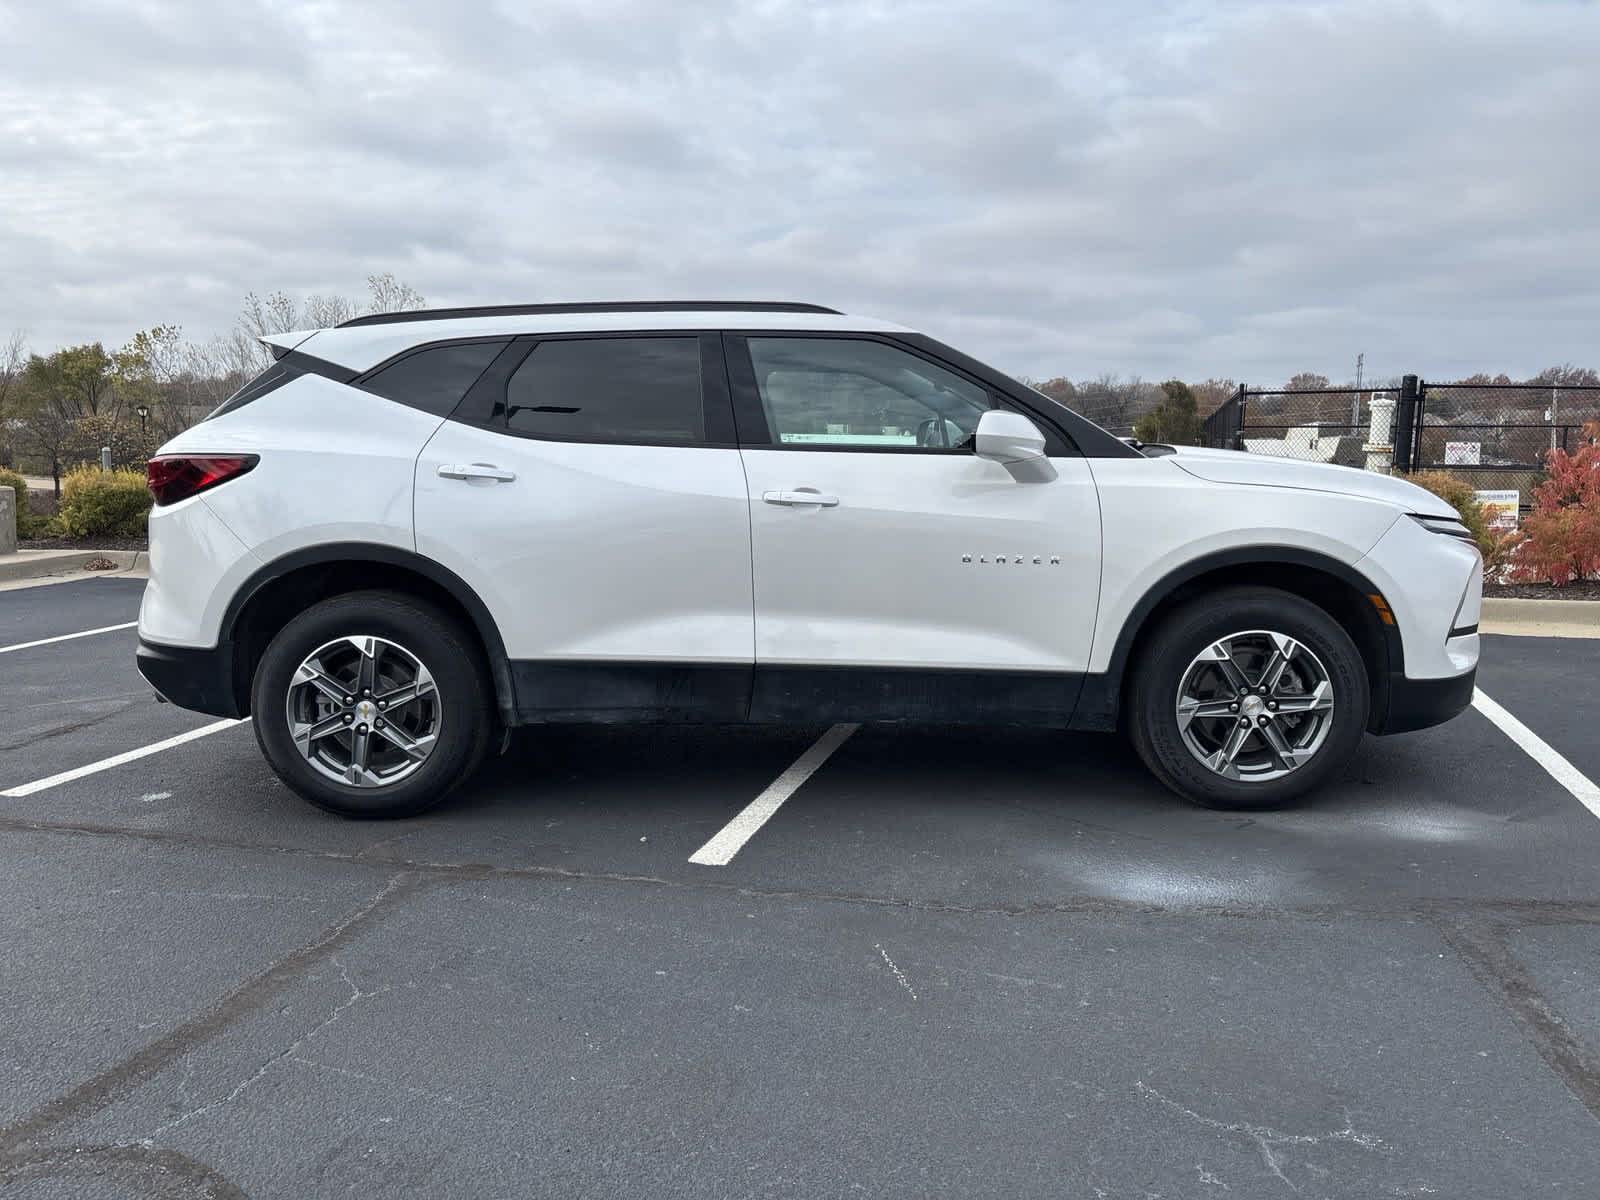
[952, 963]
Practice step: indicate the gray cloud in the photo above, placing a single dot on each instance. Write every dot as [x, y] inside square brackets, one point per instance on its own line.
[1246, 189]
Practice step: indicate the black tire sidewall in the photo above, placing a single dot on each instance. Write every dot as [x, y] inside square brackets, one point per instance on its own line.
[1191, 628]
[442, 646]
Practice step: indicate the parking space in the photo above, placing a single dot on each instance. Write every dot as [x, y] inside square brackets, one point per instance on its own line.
[947, 962]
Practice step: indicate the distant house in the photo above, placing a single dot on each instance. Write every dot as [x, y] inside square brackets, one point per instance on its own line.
[1304, 442]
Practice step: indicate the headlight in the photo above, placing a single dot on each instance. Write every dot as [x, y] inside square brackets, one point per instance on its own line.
[1446, 525]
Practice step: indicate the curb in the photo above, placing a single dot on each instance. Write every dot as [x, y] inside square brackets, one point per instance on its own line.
[40, 564]
[1541, 618]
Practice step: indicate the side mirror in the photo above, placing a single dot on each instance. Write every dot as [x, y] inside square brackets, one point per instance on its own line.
[1016, 443]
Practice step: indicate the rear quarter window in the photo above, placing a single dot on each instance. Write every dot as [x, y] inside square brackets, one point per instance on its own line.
[435, 378]
[274, 377]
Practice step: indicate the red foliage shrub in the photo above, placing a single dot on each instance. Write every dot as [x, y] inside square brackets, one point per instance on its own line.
[1561, 538]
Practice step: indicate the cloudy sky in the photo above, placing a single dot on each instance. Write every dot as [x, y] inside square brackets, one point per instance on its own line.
[1242, 190]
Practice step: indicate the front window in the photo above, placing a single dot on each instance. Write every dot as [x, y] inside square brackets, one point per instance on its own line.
[863, 394]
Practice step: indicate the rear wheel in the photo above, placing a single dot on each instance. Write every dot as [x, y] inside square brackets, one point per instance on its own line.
[1248, 697]
[372, 704]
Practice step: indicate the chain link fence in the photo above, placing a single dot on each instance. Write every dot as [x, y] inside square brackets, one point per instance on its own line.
[1494, 435]
[1329, 425]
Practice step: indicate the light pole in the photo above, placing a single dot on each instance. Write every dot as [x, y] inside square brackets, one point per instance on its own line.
[1355, 401]
[144, 411]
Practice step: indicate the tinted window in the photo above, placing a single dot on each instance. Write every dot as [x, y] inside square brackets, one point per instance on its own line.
[848, 392]
[435, 379]
[609, 390]
[274, 377]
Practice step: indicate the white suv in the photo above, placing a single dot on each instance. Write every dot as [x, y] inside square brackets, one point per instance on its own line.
[415, 531]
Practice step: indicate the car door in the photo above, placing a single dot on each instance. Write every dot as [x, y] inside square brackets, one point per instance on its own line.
[589, 489]
[897, 575]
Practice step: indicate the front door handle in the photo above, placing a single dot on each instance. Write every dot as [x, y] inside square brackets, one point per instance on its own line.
[802, 495]
[475, 471]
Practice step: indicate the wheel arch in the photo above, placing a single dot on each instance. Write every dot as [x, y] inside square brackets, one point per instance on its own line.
[1334, 586]
[276, 592]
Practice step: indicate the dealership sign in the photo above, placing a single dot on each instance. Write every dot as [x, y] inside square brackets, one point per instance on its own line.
[1500, 507]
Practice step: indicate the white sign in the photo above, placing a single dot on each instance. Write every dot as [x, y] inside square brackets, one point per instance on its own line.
[1462, 454]
[1500, 507]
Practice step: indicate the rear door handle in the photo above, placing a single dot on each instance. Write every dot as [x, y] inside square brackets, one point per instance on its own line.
[475, 471]
[802, 495]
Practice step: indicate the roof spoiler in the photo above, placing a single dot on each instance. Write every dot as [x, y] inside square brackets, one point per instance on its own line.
[281, 343]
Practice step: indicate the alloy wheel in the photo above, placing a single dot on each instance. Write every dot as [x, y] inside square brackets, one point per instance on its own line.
[1255, 705]
[363, 711]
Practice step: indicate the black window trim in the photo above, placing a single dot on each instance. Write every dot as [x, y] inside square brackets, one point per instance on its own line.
[1087, 439]
[484, 406]
[751, 416]
[285, 367]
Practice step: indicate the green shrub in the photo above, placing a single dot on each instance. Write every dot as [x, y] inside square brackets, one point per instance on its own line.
[96, 503]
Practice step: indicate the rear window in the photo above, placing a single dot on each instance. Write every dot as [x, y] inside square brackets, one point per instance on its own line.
[434, 379]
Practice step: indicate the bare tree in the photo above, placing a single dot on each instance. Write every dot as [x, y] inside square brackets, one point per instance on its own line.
[324, 312]
[1212, 395]
[13, 357]
[1123, 403]
[1097, 397]
[279, 312]
[387, 294]
[1567, 375]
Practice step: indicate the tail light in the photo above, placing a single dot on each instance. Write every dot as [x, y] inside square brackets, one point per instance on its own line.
[174, 477]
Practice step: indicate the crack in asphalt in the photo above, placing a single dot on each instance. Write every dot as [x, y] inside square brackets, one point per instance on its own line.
[1475, 929]
[1541, 912]
[118, 1080]
[163, 1172]
[1485, 948]
[1270, 1142]
[32, 737]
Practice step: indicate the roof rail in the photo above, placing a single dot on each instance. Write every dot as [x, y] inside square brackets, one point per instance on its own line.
[528, 310]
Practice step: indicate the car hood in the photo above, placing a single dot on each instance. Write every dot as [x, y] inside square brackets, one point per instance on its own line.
[1266, 470]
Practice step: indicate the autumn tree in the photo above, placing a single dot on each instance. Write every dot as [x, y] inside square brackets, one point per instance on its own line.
[1562, 534]
[1060, 390]
[80, 399]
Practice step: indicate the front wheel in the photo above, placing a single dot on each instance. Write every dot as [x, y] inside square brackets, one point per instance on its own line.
[1245, 698]
[372, 704]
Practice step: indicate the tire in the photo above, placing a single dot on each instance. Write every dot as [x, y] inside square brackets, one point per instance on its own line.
[411, 645]
[1178, 668]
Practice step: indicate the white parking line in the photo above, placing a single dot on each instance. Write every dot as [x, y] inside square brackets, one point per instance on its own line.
[116, 760]
[67, 637]
[1546, 755]
[730, 839]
